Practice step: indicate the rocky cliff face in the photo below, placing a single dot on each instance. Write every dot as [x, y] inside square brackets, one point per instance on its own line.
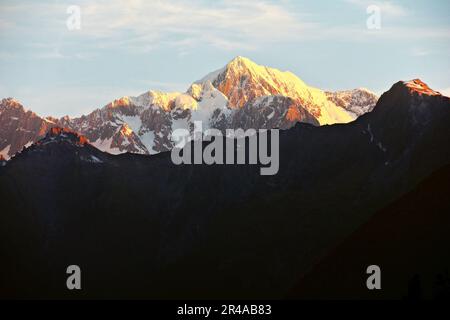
[19, 127]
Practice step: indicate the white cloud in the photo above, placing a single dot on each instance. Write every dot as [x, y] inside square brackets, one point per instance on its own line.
[386, 7]
[140, 26]
[143, 25]
[226, 24]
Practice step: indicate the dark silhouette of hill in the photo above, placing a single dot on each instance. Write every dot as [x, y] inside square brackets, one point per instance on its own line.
[408, 240]
[142, 227]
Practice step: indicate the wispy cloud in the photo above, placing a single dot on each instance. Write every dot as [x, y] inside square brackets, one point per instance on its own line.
[386, 7]
[140, 26]
[226, 24]
[355, 33]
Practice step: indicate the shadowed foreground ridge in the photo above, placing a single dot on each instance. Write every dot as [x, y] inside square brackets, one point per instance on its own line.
[141, 227]
[408, 240]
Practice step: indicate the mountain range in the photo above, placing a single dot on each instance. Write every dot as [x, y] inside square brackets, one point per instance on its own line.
[141, 227]
[240, 95]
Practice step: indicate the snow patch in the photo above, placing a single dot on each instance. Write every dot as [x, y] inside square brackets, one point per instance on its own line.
[134, 122]
[28, 144]
[211, 76]
[148, 140]
[369, 129]
[105, 146]
[5, 152]
[94, 159]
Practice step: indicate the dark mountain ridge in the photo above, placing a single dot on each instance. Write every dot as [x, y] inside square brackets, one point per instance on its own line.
[408, 240]
[143, 227]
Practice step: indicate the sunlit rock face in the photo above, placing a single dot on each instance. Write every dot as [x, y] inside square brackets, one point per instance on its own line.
[240, 95]
[242, 81]
[19, 127]
[272, 112]
[420, 87]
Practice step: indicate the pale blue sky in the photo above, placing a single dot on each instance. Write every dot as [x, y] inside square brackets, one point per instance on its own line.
[129, 47]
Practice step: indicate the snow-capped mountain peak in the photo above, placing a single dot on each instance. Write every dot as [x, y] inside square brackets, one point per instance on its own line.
[11, 103]
[242, 81]
[357, 101]
[242, 94]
